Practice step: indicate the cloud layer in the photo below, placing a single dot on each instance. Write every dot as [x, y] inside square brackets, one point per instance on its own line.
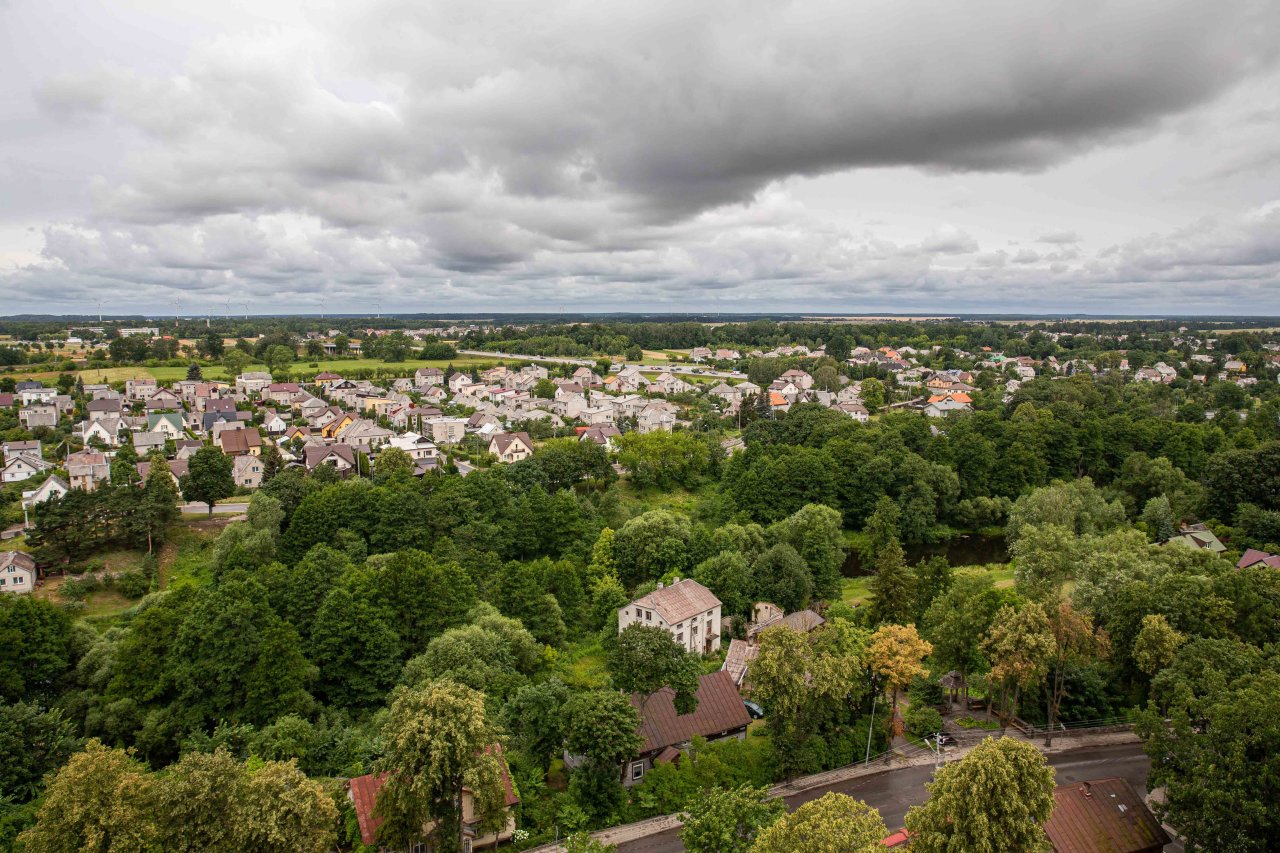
[517, 155]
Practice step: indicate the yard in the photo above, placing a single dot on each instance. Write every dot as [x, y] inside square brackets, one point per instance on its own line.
[855, 591]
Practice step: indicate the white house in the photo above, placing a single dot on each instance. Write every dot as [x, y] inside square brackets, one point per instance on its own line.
[51, 488]
[511, 446]
[17, 573]
[685, 609]
[22, 466]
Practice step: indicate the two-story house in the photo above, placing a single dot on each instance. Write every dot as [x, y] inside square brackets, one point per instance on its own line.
[684, 608]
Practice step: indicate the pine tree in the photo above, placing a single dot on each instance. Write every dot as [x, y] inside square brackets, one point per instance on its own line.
[892, 588]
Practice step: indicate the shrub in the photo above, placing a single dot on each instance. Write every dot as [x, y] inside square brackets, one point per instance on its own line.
[922, 720]
[133, 584]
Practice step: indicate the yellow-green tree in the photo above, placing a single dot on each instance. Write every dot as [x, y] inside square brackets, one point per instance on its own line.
[1156, 644]
[992, 801]
[437, 741]
[1020, 645]
[101, 800]
[897, 656]
[834, 823]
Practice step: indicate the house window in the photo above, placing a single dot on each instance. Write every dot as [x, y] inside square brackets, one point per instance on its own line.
[418, 847]
[679, 638]
[637, 771]
[648, 615]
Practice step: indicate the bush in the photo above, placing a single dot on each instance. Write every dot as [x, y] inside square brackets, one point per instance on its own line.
[133, 584]
[922, 720]
[925, 691]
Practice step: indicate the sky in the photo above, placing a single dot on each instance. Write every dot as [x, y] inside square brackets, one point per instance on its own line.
[722, 155]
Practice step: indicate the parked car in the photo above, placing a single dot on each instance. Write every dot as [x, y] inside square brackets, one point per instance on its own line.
[753, 710]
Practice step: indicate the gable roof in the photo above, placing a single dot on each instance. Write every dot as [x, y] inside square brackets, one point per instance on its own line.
[239, 440]
[503, 440]
[678, 601]
[720, 710]
[1102, 816]
[1253, 556]
[318, 455]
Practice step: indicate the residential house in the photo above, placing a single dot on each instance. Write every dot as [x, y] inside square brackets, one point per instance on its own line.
[144, 442]
[17, 573]
[273, 423]
[281, 393]
[1103, 815]
[511, 446]
[244, 441]
[37, 394]
[587, 378]
[52, 487]
[606, 436]
[105, 430]
[169, 424]
[38, 415]
[727, 354]
[941, 405]
[799, 378]
[425, 377]
[33, 447]
[364, 434]
[163, 398]
[657, 416]
[185, 448]
[22, 466]
[247, 471]
[1198, 536]
[447, 430]
[103, 408]
[459, 382]
[857, 411]
[415, 445]
[252, 382]
[664, 733]
[336, 425]
[700, 354]
[177, 470]
[139, 388]
[86, 469]
[362, 791]
[340, 456]
[684, 608]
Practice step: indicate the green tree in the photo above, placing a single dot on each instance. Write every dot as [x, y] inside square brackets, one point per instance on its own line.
[1076, 643]
[728, 820]
[356, 648]
[194, 374]
[782, 578]
[994, 800]
[534, 716]
[436, 742]
[392, 462]
[208, 478]
[1216, 762]
[278, 357]
[815, 532]
[833, 823]
[645, 658]
[285, 812]
[544, 388]
[101, 800]
[33, 742]
[1020, 645]
[897, 655]
[199, 801]
[873, 394]
[728, 575]
[1157, 515]
[892, 587]
[1157, 644]
[234, 362]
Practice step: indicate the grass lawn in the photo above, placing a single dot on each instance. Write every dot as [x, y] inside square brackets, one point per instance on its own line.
[186, 557]
[855, 591]
[300, 367]
[636, 501]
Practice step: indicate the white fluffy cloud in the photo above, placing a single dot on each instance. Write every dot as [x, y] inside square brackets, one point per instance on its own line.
[435, 154]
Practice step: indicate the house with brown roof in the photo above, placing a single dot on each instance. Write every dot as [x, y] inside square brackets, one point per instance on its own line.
[245, 441]
[1103, 816]
[1253, 557]
[17, 573]
[341, 456]
[86, 469]
[511, 446]
[363, 791]
[720, 715]
[684, 608]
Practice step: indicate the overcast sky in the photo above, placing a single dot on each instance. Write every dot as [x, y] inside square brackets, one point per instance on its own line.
[413, 155]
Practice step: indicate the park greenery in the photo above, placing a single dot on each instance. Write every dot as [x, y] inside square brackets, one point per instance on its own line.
[407, 625]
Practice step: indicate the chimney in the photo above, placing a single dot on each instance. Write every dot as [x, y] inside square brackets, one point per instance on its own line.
[1087, 791]
[659, 584]
[675, 580]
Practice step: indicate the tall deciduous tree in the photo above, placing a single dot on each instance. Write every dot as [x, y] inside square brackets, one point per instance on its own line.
[815, 532]
[1075, 640]
[102, 800]
[897, 655]
[645, 658]
[437, 740]
[992, 801]
[1157, 644]
[728, 820]
[208, 478]
[1020, 646]
[833, 823]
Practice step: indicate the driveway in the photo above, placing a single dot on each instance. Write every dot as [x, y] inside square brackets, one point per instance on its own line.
[198, 508]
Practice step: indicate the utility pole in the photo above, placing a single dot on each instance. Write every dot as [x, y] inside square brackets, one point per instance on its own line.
[871, 727]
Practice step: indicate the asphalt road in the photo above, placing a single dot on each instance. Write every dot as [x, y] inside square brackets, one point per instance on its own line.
[894, 791]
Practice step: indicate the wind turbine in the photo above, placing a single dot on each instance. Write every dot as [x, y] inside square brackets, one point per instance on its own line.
[99, 310]
[176, 308]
